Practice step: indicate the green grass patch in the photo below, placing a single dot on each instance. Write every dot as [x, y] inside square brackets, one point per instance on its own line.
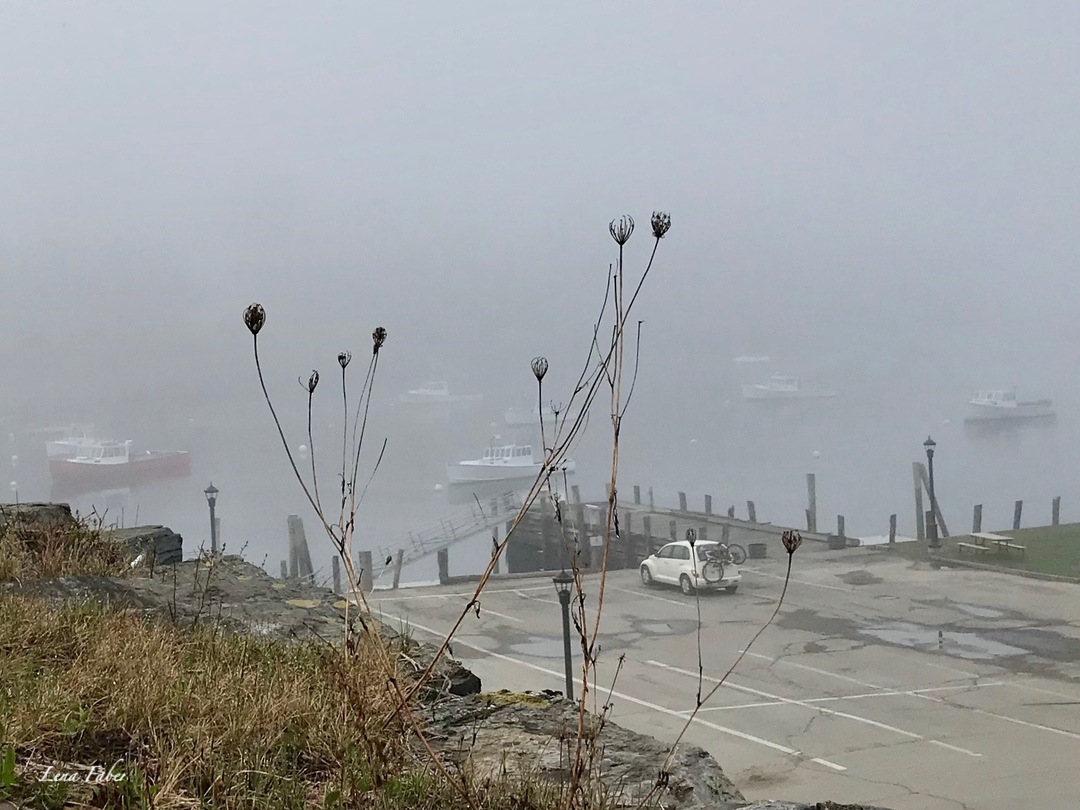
[1048, 550]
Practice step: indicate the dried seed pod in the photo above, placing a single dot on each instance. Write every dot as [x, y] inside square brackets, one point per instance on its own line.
[791, 540]
[621, 229]
[254, 318]
[661, 223]
[539, 367]
[312, 381]
[343, 358]
[691, 537]
[378, 338]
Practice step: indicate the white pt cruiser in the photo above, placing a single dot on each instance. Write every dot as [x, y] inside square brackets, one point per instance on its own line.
[674, 564]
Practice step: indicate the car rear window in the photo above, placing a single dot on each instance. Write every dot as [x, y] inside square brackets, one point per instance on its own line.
[703, 552]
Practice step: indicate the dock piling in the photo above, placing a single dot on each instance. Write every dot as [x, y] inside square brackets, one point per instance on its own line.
[398, 559]
[920, 519]
[367, 577]
[298, 540]
[626, 534]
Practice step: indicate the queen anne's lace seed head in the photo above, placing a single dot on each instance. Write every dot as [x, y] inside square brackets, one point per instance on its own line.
[661, 223]
[621, 229]
[343, 358]
[378, 338]
[791, 540]
[539, 367]
[254, 318]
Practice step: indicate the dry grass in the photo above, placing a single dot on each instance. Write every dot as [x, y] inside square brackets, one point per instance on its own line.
[29, 549]
[198, 717]
[201, 718]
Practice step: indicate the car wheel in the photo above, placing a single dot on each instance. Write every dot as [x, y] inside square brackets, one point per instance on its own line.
[731, 588]
[646, 576]
[685, 584]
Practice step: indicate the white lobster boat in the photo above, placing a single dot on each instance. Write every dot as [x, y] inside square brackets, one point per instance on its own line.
[501, 463]
[780, 387]
[998, 405]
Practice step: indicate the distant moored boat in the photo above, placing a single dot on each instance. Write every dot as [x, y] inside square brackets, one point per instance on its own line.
[500, 463]
[779, 387]
[106, 464]
[995, 406]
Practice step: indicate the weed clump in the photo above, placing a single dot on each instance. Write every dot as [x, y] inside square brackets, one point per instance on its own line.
[32, 548]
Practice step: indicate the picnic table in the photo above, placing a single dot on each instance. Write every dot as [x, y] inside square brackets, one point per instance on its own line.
[986, 541]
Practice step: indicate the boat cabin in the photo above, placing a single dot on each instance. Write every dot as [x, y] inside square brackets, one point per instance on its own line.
[105, 453]
[509, 452]
[780, 383]
[997, 399]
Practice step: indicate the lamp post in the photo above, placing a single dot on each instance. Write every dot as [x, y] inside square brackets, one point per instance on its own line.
[931, 524]
[563, 583]
[211, 498]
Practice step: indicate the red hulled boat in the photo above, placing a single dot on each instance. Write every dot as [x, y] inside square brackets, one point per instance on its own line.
[107, 464]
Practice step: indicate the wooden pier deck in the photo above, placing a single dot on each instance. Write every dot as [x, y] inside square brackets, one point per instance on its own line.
[662, 525]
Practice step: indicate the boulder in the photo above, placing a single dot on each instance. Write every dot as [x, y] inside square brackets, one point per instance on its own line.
[159, 542]
[537, 731]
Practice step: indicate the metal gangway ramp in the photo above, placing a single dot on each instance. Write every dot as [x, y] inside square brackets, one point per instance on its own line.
[462, 524]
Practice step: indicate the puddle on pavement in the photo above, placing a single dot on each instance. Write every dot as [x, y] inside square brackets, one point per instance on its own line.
[971, 646]
[539, 648]
[860, 577]
[979, 610]
[1023, 648]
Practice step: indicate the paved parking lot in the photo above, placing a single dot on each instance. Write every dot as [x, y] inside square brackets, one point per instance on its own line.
[881, 681]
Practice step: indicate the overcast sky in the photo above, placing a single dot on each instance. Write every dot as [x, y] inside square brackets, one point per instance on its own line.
[856, 178]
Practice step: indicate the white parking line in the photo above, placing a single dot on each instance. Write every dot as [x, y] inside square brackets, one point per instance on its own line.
[790, 701]
[956, 748]
[1005, 717]
[486, 610]
[815, 670]
[385, 595]
[1039, 689]
[536, 598]
[847, 716]
[761, 573]
[886, 693]
[684, 603]
[963, 672]
[622, 696]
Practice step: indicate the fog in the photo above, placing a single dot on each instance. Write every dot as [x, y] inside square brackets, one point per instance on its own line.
[881, 198]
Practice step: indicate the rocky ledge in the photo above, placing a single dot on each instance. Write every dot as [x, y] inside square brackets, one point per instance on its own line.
[492, 730]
